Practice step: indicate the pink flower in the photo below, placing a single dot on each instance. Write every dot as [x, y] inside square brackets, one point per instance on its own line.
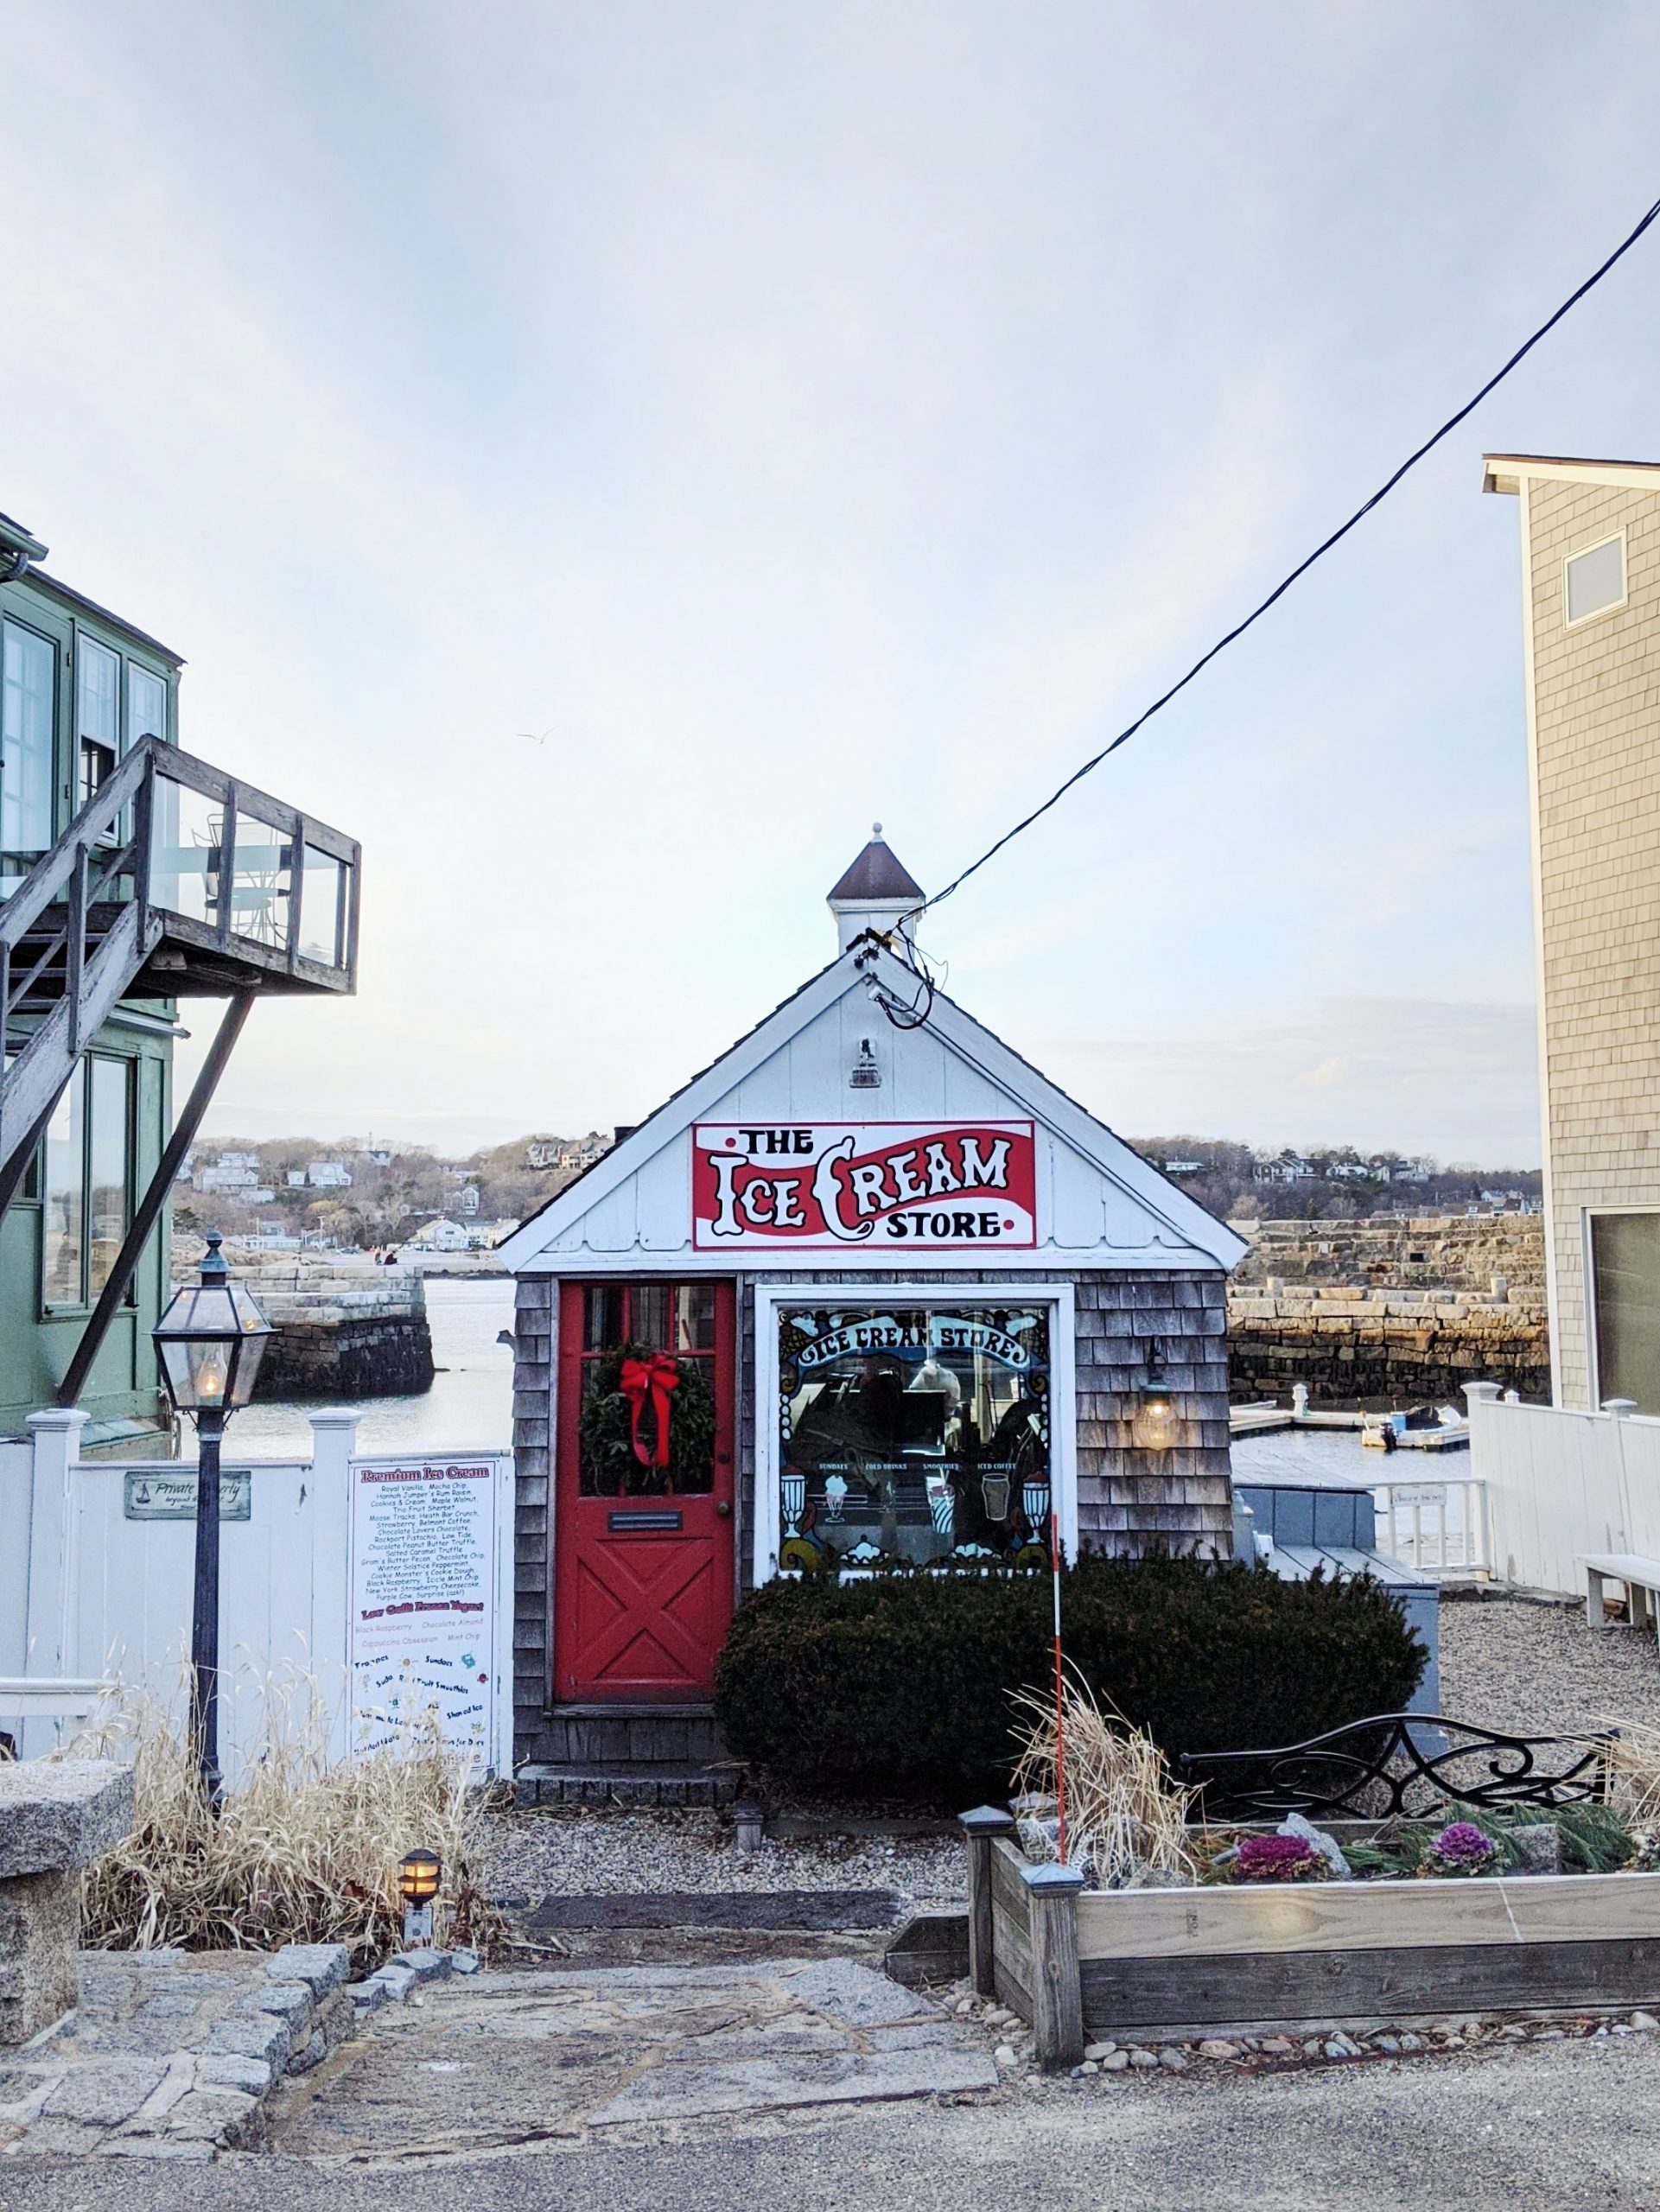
[1461, 1843]
[1275, 1858]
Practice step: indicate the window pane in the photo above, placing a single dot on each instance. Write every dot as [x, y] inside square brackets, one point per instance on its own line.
[97, 693]
[601, 1316]
[648, 1316]
[1596, 579]
[694, 1316]
[61, 1238]
[320, 908]
[146, 704]
[27, 667]
[912, 1434]
[1625, 1270]
[109, 1168]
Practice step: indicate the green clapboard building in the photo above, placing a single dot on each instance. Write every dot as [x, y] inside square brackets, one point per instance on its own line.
[134, 879]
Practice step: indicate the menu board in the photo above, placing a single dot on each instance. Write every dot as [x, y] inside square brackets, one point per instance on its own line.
[423, 1637]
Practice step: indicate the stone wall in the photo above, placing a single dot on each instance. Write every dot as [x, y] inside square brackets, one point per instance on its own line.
[340, 1332]
[1389, 1312]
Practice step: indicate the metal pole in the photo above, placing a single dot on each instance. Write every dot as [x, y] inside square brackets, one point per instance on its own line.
[204, 1617]
[150, 1207]
[1060, 1696]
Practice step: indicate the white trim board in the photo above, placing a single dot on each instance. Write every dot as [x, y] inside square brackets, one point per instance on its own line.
[1063, 1390]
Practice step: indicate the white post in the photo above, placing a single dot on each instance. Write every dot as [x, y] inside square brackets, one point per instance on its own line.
[334, 1442]
[50, 1638]
[1618, 1411]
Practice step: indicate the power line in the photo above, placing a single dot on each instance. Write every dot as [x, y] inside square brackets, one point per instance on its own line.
[1302, 569]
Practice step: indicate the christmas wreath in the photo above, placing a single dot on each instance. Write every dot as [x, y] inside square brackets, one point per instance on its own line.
[648, 1424]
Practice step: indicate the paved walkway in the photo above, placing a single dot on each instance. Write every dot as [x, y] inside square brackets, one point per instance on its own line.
[1539, 2127]
[588, 2056]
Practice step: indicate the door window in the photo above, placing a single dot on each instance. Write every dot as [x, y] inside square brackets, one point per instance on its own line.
[27, 673]
[913, 1435]
[648, 1419]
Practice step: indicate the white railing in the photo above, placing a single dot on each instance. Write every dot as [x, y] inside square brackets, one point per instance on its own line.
[1437, 1528]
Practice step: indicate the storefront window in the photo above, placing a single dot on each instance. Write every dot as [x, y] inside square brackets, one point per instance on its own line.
[912, 1436]
[1626, 1294]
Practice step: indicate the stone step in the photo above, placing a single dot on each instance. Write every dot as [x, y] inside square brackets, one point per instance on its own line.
[664, 1783]
[622, 1738]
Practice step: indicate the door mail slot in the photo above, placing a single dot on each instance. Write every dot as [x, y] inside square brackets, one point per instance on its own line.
[658, 1518]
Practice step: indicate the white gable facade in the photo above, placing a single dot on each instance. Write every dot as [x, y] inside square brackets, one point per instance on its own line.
[914, 1299]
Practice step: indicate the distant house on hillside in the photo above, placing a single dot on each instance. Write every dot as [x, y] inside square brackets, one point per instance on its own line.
[1286, 1167]
[329, 1175]
[441, 1235]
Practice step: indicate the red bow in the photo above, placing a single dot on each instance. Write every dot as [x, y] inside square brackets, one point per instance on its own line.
[659, 1374]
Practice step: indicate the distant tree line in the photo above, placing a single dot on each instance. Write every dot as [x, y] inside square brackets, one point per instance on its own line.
[1241, 1182]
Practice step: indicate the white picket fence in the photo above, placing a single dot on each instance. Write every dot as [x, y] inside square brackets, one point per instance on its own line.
[1560, 1484]
[85, 1593]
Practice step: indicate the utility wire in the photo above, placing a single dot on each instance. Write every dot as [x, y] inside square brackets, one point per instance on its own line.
[1302, 569]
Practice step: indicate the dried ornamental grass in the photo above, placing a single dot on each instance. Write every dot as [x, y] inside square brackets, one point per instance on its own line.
[305, 1850]
[1125, 1818]
[1633, 1767]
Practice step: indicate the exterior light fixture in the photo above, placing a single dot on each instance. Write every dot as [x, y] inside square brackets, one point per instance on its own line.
[209, 1343]
[1156, 1422]
[418, 1876]
[865, 1074]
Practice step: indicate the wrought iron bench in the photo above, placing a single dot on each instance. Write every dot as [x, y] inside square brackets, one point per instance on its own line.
[1389, 1766]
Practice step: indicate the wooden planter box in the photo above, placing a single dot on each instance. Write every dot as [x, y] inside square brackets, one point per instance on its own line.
[1081, 1964]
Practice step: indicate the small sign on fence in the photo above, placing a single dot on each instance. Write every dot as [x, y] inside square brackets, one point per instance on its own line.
[172, 1497]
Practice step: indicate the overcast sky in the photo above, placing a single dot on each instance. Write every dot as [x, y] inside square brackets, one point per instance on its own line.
[603, 454]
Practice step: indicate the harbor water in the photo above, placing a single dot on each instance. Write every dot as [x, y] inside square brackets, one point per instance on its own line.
[468, 1409]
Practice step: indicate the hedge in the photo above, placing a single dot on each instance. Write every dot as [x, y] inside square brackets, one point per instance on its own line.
[897, 1686]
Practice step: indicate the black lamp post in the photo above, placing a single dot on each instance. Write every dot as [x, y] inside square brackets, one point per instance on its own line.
[210, 1342]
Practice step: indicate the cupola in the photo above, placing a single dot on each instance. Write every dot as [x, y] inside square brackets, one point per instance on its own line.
[876, 893]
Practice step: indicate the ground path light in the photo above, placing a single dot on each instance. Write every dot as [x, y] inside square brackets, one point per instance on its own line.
[418, 1876]
[210, 1343]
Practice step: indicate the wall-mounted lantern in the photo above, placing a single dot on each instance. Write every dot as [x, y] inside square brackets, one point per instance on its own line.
[1155, 1422]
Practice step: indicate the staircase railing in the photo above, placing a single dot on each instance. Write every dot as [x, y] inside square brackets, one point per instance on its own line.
[168, 848]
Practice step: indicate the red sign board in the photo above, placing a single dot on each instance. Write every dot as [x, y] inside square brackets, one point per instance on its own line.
[894, 1187]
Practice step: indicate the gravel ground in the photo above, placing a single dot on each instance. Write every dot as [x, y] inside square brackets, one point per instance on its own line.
[586, 1852]
[1506, 1663]
[1538, 1669]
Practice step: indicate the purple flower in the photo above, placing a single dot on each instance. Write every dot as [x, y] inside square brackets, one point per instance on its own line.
[1275, 1858]
[1461, 1843]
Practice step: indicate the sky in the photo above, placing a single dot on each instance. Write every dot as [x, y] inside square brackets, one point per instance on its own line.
[605, 455]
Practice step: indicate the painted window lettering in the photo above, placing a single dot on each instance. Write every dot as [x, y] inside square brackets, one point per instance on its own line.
[846, 1183]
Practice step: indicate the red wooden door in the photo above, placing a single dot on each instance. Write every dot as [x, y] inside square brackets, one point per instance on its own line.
[644, 1553]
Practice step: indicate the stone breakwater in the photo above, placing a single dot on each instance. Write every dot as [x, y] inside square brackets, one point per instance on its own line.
[1389, 1312]
[341, 1331]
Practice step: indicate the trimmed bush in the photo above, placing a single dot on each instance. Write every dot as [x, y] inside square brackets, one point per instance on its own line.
[899, 1686]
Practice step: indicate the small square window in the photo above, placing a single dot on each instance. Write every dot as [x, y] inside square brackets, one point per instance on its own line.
[1596, 578]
